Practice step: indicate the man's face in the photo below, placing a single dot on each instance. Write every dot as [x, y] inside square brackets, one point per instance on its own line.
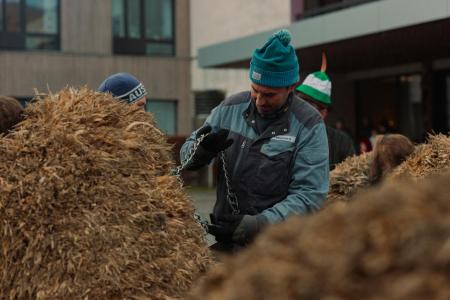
[141, 102]
[268, 99]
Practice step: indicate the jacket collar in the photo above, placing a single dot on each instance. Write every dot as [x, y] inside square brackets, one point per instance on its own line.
[280, 123]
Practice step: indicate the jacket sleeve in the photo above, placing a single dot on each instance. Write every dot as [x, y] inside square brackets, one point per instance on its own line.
[201, 157]
[309, 183]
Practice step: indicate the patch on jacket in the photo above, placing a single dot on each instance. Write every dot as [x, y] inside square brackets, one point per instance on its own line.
[286, 138]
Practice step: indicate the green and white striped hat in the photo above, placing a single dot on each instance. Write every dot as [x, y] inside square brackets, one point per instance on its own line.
[317, 85]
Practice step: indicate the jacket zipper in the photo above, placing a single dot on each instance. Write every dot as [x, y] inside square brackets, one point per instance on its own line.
[239, 158]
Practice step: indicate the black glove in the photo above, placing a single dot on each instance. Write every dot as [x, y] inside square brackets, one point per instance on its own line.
[222, 231]
[211, 144]
[216, 141]
[240, 229]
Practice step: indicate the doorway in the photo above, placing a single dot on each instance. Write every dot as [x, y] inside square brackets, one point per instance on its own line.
[390, 104]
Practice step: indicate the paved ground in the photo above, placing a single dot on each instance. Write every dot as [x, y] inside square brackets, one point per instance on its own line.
[203, 199]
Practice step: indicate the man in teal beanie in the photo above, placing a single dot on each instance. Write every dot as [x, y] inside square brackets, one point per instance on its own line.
[272, 147]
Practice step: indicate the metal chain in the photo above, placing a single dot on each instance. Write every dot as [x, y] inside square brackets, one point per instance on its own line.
[190, 156]
[177, 173]
[231, 196]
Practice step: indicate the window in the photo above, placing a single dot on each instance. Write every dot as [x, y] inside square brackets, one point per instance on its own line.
[143, 27]
[165, 113]
[29, 24]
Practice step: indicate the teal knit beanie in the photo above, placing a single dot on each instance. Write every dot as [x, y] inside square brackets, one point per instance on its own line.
[275, 64]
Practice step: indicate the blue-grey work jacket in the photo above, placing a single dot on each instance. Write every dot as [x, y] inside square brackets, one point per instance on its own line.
[280, 172]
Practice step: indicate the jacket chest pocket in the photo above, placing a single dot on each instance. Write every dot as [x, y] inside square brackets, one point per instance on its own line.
[272, 168]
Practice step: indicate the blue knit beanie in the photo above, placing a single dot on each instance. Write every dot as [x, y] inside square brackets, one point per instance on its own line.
[123, 86]
[275, 64]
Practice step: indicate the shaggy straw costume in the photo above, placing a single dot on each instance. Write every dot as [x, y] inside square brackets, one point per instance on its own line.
[348, 177]
[87, 208]
[427, 159]
[353, 174]
[392, 243]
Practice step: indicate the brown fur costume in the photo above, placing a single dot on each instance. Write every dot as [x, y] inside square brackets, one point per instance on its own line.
[390, 151]
[10, 113]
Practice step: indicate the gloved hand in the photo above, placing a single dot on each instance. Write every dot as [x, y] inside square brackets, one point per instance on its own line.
[223, 232]
[211, 144]
[216, 141]
[240, 229]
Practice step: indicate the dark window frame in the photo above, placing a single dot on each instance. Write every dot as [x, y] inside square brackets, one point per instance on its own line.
[134, 46]
[17, 40]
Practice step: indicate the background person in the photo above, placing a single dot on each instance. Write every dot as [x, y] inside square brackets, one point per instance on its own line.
[316, 89]
[125, 87]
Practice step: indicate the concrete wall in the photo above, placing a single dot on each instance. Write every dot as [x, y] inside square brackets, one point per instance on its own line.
[183, 28]
[217, 21]
[86, 27]
[86, 58]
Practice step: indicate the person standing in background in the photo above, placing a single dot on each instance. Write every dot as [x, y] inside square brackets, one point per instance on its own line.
[126, 87]
[316, 89]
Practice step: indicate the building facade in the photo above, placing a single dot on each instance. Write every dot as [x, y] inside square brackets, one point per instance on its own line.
[51, 44]
[217, 21]
[389, 60]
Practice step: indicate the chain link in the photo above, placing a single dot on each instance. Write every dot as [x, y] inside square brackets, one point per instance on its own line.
[190, 156]
[177, 173]
[231, 196]
[201, 221]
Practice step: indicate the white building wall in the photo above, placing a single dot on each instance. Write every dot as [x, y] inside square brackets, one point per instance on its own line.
[214, 21]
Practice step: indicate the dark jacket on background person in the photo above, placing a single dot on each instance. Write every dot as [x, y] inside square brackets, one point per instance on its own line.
[277, 173]
[340, 145]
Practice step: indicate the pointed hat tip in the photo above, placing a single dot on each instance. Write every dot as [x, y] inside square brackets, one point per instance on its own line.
[323, 67]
